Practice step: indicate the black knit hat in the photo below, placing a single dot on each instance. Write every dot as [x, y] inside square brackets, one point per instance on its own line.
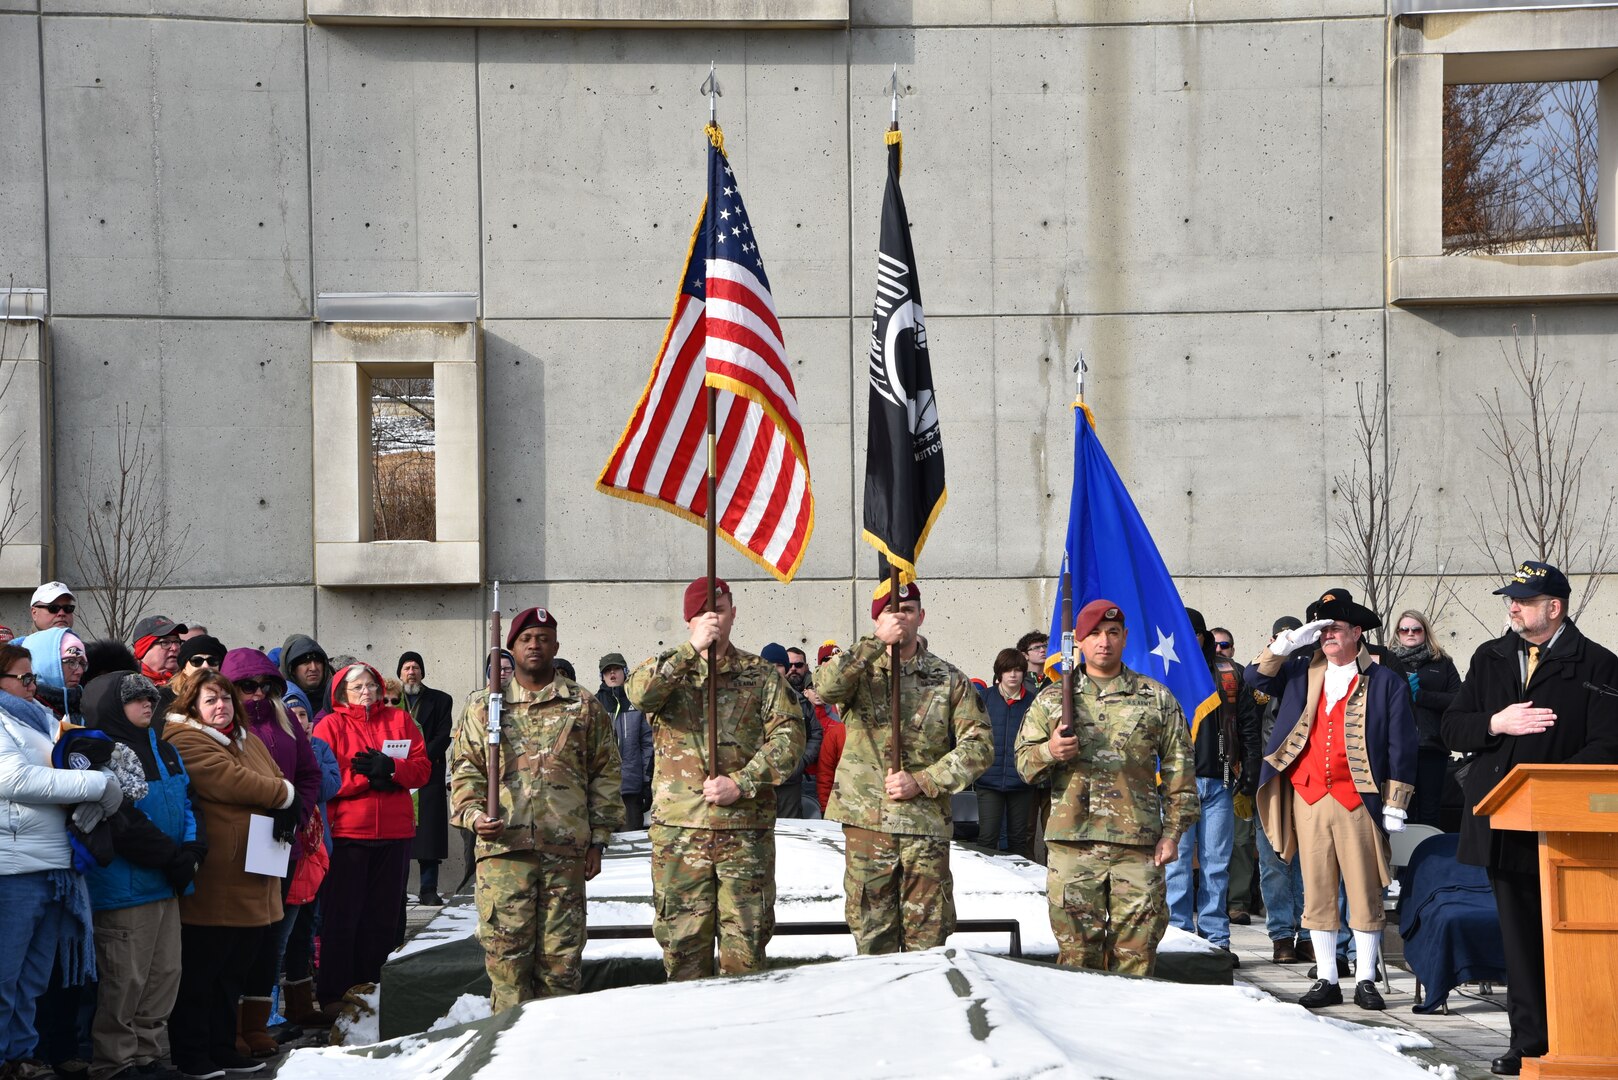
[202, 645]
[406, 657]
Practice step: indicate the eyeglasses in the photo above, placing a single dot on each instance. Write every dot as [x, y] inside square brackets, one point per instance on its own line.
[59, 609]
[1411, 630]
[27, 678]
[202, 661]
[252, 686]
[75, 661]
[167, 643]
[798, 664]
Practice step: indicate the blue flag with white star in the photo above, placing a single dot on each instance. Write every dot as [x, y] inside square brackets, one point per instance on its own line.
[1112, 556]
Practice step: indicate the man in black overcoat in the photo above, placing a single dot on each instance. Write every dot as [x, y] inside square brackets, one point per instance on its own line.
[434, 712]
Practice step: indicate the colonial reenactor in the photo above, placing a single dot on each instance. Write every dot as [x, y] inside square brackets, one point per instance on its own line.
[713, 839]
[559, 806]
[1530, 695]
[1113, 824]
[1338, 775]
[896, 825]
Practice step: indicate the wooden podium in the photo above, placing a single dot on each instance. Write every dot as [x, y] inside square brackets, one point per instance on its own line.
[1574, 808]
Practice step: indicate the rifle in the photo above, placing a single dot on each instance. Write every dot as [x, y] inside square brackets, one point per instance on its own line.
[1068, 656]
[492, 809]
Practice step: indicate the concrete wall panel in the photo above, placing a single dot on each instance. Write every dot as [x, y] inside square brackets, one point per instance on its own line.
[445, 625]
[593, 165]
[225, 408]
[179, 167]
[551, 429]
[255, 10]
[1101, 12]
[393, 124]
[22, 156]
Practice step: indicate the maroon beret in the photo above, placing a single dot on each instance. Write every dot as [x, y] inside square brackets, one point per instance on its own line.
[1093, 615]
[696, 595]
[906, 592]
[534, 616]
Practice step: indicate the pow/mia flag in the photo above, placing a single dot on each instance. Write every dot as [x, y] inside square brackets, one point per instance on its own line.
[904, 450]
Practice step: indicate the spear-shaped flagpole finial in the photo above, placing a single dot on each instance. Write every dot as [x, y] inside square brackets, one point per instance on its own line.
[893, 89]
[1080, 368]
[710, 86]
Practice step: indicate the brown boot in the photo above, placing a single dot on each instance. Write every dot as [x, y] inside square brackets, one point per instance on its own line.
[252, 1027]
[298, 1004]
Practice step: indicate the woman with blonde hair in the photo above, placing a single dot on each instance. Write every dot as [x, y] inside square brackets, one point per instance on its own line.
[225, 919]
[1433, 685]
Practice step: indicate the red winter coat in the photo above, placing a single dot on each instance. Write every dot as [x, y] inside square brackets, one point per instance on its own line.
[358, 811]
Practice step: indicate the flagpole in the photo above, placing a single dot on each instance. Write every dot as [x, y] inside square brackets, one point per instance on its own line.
[1070, 657]
[896, 751]
[711, 88]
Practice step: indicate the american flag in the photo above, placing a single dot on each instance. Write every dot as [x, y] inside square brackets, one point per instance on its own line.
[723, 333]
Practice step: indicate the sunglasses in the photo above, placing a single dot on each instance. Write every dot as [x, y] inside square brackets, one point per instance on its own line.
[252, 686]
[798, 664]
[59, 609]
[202, 661]
[390, 701]
[1224, 645]
[1410, 630]
[27, 678]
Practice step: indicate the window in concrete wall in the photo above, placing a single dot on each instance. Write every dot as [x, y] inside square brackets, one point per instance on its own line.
[404, 499]
[1520, 167]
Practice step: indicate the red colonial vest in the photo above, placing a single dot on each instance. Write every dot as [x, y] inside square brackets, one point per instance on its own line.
[1322, 768]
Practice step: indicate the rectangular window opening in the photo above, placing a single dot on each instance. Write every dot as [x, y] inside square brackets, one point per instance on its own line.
[1520, 167]
[404, 487]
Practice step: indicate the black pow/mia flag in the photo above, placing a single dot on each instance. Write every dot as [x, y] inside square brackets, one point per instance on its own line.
[904, 450]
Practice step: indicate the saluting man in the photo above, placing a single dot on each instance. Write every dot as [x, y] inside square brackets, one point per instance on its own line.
[1112, 826]
[713, 840]
[896, 825]
[559, 805]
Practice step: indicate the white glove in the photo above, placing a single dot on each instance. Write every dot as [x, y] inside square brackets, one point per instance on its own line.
[1393, 820]
[1288, 641]
[88, 815]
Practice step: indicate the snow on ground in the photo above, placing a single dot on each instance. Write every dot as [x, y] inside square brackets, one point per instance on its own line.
[467, 1008]
[942, 1013]
[364, 1028]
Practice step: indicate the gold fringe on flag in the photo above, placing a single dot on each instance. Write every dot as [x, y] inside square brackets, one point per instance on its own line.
[716, 137]
[895, 138]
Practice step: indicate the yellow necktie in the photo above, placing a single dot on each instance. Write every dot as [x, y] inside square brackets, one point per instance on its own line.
[1533, 662]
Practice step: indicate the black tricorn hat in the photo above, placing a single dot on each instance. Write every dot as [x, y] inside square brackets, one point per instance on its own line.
[1338, 605]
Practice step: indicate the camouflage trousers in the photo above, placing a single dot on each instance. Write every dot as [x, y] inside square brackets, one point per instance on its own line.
[707, 883]
[900, 895]
[1108, 905]
[531, 925]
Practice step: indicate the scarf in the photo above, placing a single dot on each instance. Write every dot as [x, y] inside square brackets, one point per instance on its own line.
[160, 678]
[64, 703]
[31, 713]
[75, 942]
[1413, 656]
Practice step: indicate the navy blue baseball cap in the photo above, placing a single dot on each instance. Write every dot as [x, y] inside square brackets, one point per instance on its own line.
[1536, 579]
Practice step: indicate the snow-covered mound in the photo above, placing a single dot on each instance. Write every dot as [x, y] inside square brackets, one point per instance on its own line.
[947, 1012]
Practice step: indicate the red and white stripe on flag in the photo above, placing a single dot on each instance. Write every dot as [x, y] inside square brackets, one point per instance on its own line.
[765, 505]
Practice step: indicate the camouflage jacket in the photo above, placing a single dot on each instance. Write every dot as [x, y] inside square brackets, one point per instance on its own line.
[1129, 734]
[760, 735]
[946, 742]
[559, 774]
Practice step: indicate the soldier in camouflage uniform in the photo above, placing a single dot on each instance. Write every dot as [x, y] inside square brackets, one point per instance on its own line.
[1111, 828]
[896, 825]
[713, 839]
[559, 805]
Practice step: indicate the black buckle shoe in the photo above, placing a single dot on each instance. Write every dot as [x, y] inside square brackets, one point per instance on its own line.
[1507, 1064]
[1367, 996]
[1322, 994]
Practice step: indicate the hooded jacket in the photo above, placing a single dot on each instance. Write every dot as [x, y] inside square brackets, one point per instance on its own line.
[281, 734]
[360, 811]
[145, 842]
[298, 647]
[45, 646]
[233, 777]
[35, 798]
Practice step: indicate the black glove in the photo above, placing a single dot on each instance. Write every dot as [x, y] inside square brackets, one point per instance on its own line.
[182, 871]
[1248, 784]
[286, 821]
[362, 761]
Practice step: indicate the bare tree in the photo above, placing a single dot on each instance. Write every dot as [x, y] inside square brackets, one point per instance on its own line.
[404, 498]
[1558, 195]
[1486, 130]
[126, 545]
[1537, 457]
[1375, 532]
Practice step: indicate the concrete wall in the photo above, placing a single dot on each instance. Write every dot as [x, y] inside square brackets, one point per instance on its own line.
[1197, 205]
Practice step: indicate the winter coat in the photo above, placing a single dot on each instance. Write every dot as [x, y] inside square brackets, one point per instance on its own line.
[634, 735]
[1005, 718]
[1585, 731]
[233, 778]
[1236, 723]
[359, 810]
[296, 648]
[833, 735]
[1438, 682]
[148, 840]
[35, 797]
[434, 713]
[282, 735]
